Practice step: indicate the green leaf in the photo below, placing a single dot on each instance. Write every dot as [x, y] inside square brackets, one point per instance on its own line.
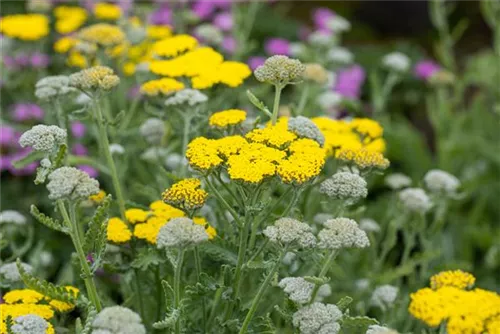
[61, 154]
[31, 157]
[8, 324]
[118, 118]
[91, 314]
[459, 29]
[172, 314]
[357, 325]
[48, 221]
[218, 253]
[317, 280]
[169, 320]
[96, 232]
[264, 325]
[344, 303]
[258, 103]
[80, 114]
[46, 288]
[146, 258]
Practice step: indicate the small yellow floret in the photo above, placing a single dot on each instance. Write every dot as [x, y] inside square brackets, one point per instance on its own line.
[99, 197]
[457, 278]
[202, 154]
[107, 11]
[136, 215]
[364, 158]
[24, 296]
[227, 118]
[27, 27]
[367, 127]
[159, 32]
[211, 232]
[118, 231]
[163, 86]
[172, 46]
[272, 135]
[103, 34]
[69, 18]
[186, 194]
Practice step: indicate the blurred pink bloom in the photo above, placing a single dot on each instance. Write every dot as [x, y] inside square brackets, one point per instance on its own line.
[425, 69]
[204, 9]
[304, 32]
[350, 81]
[7, 135]
[10, 151]
[277, 46]
[162, 16]
[224, 21]
[89, 170]
[321, 16]
[39, 60]
[79, 149]
[78, 129]
[229, 44]
[22, 112]
[255, 61]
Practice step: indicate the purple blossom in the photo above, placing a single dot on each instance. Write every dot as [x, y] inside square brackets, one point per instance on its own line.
[90, 258]
[321, 16]
[22, 60]
[89, 170]
[9, 62]
[10, 151]
[224, 21]
[7, 135]
[22, 112]
[79, 149]
[78, 129]
[229, 44]
[349, 81]
[39, 60]
[255, 61]
[134, 92]
[204, 9]
[277, 46]
[162, 16]
[425, 69]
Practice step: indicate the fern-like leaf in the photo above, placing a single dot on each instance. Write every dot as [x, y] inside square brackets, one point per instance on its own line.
[97, 227]
[46, 288]
[169, 320]
[58, 161]
[48, 221]
[218, 253]
[91, 314]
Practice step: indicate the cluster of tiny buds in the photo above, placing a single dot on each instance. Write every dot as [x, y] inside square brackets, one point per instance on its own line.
[291, 232]
[44, 138]
[280, 71]
[71, 183]
[94, 78]
[52, 87]
[345, 186]
[179, 233]
[190, 97]
[304, 127]
[117, 320]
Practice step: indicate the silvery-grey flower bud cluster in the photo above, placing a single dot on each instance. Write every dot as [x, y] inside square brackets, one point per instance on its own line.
[384, 296]
[291, 232]
[52, 87]
[71, 183]
[97, 77]
[304, 127]
[340, 55]
[321, 218]
[153, 130]
[342, 233]
[300, 291]
[344, 185]
[11, 216]
[153, 154]
[397, 181]
[338, 24]
[116, 149]
[415, 200]
[29, 324]
[396, 61]
[376, 329]
[10, 272]
[369, 225]
[209, 33]
[180, 232]
[439, 181]
[45, 138]
[280, 70]
[117, 320]
[328, 100]
[317, 318]
[188, 96]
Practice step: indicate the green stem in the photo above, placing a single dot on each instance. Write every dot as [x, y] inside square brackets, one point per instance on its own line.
[197, 262]
[83, 160]
[322, 273]
[75, 237]
[260, 293]
[159, 291]
[177, 290]
[276, 107]
[303, 100]
[217, 298]
[223, 201]
[185, 139]
[61, 119]
[137, 281]
[104, 141]
[130, 114]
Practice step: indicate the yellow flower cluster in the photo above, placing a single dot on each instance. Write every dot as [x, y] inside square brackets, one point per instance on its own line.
[186, 195]
[464, 311]
[107, 11]
[69, 18]
[364, 158]
[163, 86]
[99, 197]
[24, 302]
[102, 34]
[226, 118]
[158, 32]
[117, 231]
[26, 27]
[172, 46]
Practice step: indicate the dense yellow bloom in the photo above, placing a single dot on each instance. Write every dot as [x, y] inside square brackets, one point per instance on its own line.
[107, 11]
[367, 127]
[202, 154]
[160, 215]
[76, 59]
[99, 197]
[227, 118]
[493, 325]
[272, 135]
[363, 158]
[172, 46]
[69, 18]
[159, 32]
[232, 73]
[230, 145]
[65, 44]
[27, 27]
[304, 163]
[211, 232]
[118, 231]
[185, 194]
[102, 34]
[24, 296]
[161, 86]
[16, 310]
[457, 278]
[136, 215]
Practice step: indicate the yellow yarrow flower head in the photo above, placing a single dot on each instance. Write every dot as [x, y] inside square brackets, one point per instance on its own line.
[107, 11]
[97, 77]
[202, 154]
[305, 162]
[211, 232]
[163, 86]
[118, 231]
[226, 118]
[103, 34]
[134, 215]
[158, 32]
[24, 296]
[172, 46]
[275, 136]
[65, 44]
[280, 70]
[69, 18]
[456, 278]
[185, 194]
[363, 158]
[367, 127]
[99, 197]
[26, 27]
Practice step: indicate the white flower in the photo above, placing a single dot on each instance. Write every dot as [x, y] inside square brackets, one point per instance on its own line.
[153, 130]
[338, 24]
[396, 61]
[180, 232]
[45, 138]
[280, 70]
[11, 274]
[116, 149]
[342, 233]
[46, 258]
[362, 283]
[397, 181]
[329, 99]
[154, 154]
[344, 185]
[376, 329]
[291, 232]
[369, 225]
[72, 183]
[11, 216]
[304, 127]
[118, 320]
[29, 324]
[189, 96]
[415, 200]
[317, 318]
[321, 218]
[320, 38]
[52, 87]
[340, 55]
[440, 181]
[384, 296]
[297, 288]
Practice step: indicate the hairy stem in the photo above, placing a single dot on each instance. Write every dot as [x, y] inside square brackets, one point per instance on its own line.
[177, 289]
[324, 269]
[276, 107]
[197, 262]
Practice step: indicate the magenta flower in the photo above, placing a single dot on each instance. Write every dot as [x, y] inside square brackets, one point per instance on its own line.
[9, 62]
[78, 129]
[224, 21]
[204, 9]
[350, 81]
[10, 151]
[22, 112]
[425, 69]
[277, 46]
[255, 62]
[229, 44]
[22, 60]
[39, 60]
[89, 170]
[321, 16]
[79, 149]
[162, 16]
[304, 32]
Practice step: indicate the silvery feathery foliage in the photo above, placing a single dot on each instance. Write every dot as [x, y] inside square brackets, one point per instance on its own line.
[288, 231]
[280, 70]
[369, 225]
[117, 320]
[304, 127]
[45, 138]
[344, 185]
[437, 180]
[329, 99]
[10, 273]
[415, 200]
[188, 96]
[52, 87]
[396, 61]
[29, 324]
[153, 130]
[180, 232]
[340, 55]
[116, 149]
[317, 318]
[321, 218]
[384, 296]
[342, 233]
[297, 288]
[376, 329]
[209, 33]
[397, 181]
[71, 183]
[97, 77]
[339, 24]
[136, 34]
[11, 216]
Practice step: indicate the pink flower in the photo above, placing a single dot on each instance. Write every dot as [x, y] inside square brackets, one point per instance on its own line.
[350, 81]
[321, 16]
[79, 149]
[39, 60]
[425, 69]
[89, 170]
[224, 21]
[277, 46]
[162, 16]
[204, 9]
[229, 44]
[78, 129]
[27, 111]
[255, 62]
